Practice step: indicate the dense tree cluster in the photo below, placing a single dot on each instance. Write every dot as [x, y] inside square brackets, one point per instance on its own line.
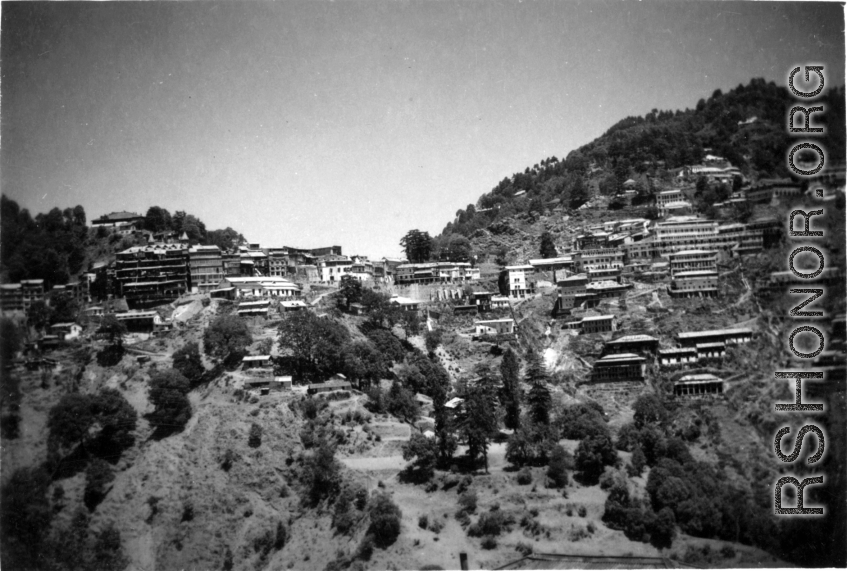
[50, 247]
[168, 393]
[102, 423]
[158, 219]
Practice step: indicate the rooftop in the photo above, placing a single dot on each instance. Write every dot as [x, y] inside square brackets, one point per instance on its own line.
[598, 317]
[712, 332]
[505, 320]
[619, 357]
[633, 339]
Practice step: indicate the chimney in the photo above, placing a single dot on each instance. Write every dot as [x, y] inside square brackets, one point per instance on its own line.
[463, 561]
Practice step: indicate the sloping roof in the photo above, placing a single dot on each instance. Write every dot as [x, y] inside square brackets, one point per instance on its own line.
[696, 334]
[633, 339]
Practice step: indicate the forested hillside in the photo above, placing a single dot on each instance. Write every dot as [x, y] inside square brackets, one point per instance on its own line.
[747, 126]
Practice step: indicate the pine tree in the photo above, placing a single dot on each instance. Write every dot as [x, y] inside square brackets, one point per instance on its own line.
[478, 419]
[511, 394]
[443, 426]
[548, 248]
[538, 398]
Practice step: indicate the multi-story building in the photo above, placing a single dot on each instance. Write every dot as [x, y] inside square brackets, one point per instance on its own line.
[277, 262]
[639, 344]
[205, 266]
[768, 189]
[20, 296]
[689, 260]
[598, 259]
[513, 281]
[553, 265]
[698, 386]
[665, 197]
[255, 259]
[619, 367]
[727, 336]
[435, 272]
[152, 275]
[571, 289]
[78, 290]
[362, 269]
[257, 286]
[683, 233]
[332, 268]
[677, 356]
[694, 283]
[599, 324]
[232, 264]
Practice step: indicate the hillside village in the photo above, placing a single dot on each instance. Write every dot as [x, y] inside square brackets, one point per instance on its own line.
[582, 381]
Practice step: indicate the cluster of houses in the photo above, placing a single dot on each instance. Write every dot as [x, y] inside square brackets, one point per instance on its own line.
[625, 358]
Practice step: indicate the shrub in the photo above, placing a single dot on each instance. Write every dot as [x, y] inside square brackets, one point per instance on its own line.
[168, 390]
[727, 551]
[582, 511]
[366, 548]
[229, 457]
[468, 501]
[611, 477]
[489, 542]
[436, 525]
[524, 476]
[10, 426]
[492, 524]
[187, 510]
[557, 468]
[637, 463]
[281, 536]
[255, 438]
[592, 455]
[97, 475]
[385, 520]
[423, 521]
[523, 548]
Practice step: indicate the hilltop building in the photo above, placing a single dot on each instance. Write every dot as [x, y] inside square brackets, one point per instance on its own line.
[123, 218]
[152, 275]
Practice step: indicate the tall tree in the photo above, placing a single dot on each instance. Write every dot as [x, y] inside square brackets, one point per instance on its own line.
[187, 361]
[226, 338]
[157, 219]
[511, 394]
[349, 291]
[418, 246]
[168, 390]
[538, 398]
[478, 419]
[316, 343]
[548, 248]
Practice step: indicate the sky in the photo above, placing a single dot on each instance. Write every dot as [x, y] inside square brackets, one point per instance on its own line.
[349, 123]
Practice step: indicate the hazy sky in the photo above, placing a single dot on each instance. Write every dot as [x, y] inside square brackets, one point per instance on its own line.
[317, 123]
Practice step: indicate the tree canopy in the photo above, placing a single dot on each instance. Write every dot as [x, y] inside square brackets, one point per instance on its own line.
[417, 245]
[226, 338]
